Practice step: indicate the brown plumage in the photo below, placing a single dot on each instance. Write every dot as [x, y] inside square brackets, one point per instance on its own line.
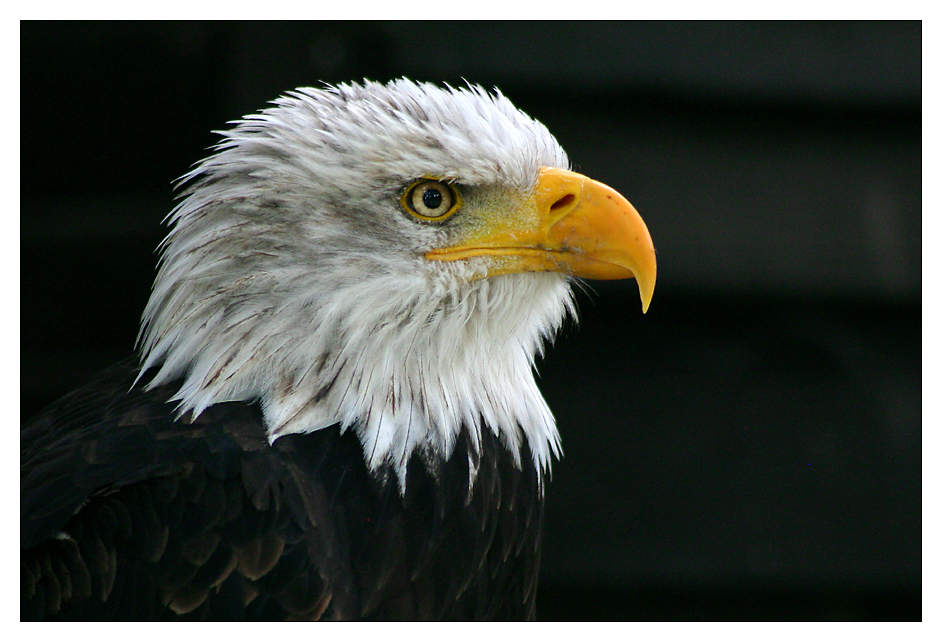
[204, 520]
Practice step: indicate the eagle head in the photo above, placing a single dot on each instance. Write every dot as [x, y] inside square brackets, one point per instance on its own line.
[386, 258]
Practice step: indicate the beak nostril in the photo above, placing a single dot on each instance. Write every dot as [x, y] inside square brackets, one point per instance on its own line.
[562, 202]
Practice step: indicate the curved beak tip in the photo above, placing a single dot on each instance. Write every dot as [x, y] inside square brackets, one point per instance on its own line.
[646, 279]
[647, 293]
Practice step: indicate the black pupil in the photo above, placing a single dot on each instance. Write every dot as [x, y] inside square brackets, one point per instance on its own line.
[432, 198]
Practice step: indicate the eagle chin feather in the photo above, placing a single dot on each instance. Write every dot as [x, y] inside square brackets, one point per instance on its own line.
[291, 276]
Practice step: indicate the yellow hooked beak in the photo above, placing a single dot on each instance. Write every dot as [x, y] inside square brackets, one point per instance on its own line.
[570, 224]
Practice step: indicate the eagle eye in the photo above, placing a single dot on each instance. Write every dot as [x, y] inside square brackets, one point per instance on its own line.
[431, 200]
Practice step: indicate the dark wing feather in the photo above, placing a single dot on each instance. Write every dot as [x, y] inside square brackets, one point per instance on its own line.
[127, 513]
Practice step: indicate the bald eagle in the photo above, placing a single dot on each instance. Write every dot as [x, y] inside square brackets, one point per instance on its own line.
[333, 414]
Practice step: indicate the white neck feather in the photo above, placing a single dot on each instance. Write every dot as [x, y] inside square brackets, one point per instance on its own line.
[408, 366]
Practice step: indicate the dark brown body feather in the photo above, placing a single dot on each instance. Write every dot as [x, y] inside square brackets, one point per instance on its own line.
[127, 514]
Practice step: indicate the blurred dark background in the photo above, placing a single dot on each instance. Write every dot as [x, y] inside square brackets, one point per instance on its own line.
[750, 448]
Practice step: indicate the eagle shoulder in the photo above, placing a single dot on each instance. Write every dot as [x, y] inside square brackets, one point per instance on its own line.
[127, 513]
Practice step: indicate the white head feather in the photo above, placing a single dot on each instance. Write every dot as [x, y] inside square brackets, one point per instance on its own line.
[292, 275]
